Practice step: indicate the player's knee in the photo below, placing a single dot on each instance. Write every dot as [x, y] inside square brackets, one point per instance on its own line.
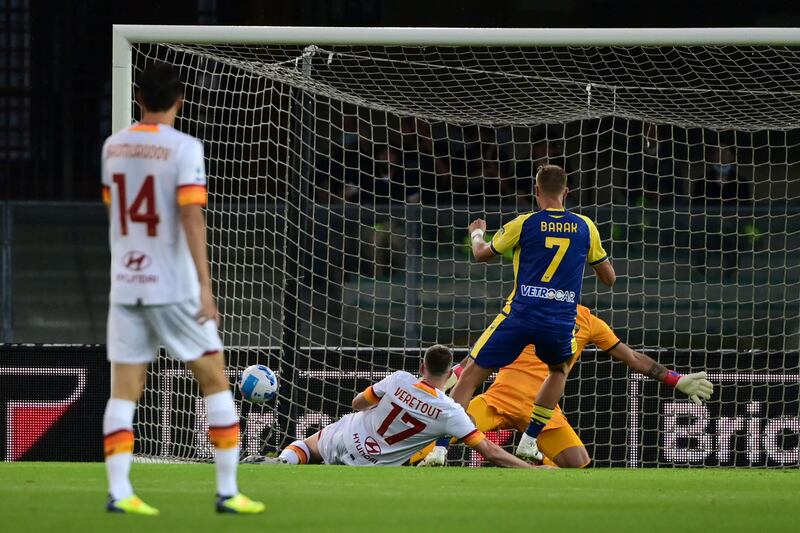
[209, 371]
[214, 383]
[574, 457]
[128, 381]
[127, 392]
[312, 443]
[136, 384]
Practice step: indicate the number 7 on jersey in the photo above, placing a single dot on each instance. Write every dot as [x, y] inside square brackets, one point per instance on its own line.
[562, 243]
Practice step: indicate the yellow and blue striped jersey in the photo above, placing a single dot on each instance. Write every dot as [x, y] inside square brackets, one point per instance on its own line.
[551, 248]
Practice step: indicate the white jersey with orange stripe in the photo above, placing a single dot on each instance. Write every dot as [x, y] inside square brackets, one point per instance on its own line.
[407, 416]
[149, 171]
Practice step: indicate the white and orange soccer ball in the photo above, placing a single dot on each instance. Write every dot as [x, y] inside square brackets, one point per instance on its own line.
[258, 384]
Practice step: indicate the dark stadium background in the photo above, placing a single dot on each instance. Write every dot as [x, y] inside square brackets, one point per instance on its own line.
[55, 88]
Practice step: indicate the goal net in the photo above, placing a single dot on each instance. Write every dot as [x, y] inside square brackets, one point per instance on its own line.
[342, 180]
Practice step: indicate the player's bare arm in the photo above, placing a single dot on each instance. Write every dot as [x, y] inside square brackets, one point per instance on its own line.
[638, 362]
[695, 385]
[605, 273]
[361, 402]
[194, 224]
[497, 455]
[480, 248]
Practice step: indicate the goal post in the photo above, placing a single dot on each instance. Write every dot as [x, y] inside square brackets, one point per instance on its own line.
[344, 165]
[124, 35]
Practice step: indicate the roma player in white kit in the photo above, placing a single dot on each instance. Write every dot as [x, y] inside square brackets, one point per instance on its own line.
[396, 418]
[154, 185]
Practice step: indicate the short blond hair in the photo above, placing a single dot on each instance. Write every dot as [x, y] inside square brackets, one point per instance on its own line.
[551, 179]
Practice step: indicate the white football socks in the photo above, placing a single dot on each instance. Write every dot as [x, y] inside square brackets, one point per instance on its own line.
[118, 445]
[296, 453]
[223, 428]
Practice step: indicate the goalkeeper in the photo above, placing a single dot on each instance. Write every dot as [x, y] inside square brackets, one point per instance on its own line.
[508, 402]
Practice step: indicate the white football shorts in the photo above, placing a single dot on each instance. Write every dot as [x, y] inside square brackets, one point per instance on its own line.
[332, 443]
[136, 331]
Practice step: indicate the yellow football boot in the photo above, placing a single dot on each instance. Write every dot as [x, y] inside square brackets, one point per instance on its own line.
[131, 505]
[239, 504]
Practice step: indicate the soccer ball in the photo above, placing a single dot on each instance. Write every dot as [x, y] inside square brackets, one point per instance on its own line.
[258, 384]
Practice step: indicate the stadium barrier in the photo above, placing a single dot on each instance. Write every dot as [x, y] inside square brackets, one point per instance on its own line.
[52, 399]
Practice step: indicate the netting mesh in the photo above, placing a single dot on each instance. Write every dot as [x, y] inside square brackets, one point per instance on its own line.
[342, 181]
[751, 88]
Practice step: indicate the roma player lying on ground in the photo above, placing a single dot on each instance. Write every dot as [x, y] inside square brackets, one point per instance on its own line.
[394, 419]
[508, 402]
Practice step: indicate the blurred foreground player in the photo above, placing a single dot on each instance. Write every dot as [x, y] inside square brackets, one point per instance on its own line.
[508, 402]
[154, 186]
[551, 247]
[396, 418]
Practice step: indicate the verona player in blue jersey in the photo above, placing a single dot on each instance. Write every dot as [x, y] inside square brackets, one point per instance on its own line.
[550, 247]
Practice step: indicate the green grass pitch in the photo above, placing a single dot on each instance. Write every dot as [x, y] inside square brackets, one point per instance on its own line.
[67, 497]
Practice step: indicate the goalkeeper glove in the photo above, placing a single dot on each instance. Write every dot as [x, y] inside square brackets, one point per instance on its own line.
[437, 457]
[695, 386]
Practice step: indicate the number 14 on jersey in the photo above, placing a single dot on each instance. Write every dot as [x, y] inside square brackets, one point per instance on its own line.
[143, 208]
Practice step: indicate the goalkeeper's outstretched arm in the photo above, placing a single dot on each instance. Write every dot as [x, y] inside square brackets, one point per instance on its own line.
[695, 386]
